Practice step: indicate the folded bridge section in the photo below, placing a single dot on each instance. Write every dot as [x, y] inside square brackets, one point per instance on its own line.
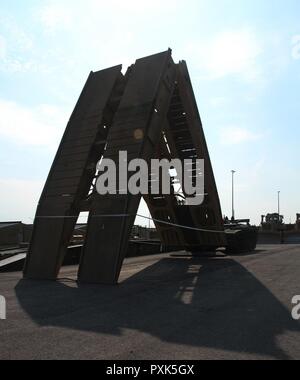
[150, 112]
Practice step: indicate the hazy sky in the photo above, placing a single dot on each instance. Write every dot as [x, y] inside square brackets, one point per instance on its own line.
[244, 60]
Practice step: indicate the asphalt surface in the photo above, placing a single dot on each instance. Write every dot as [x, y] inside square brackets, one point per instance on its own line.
[165, 307]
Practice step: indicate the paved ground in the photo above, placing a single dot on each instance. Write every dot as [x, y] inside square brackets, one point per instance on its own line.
[166, 307]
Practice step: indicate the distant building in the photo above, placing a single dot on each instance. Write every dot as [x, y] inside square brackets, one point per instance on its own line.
[144, 233]
[11, 233]
[274, 230]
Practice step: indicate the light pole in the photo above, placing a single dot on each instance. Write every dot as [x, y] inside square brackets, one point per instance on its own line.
[233, 213]
[278, 192]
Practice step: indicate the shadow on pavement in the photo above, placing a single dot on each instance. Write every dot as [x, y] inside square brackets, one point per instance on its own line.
[198, 302]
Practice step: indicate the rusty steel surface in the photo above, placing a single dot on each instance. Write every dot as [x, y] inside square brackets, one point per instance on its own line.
[150, 112]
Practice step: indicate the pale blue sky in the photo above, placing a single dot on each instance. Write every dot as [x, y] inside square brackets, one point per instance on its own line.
[244, 60]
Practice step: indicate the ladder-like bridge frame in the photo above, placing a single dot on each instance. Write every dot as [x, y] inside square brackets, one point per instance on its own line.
[155, 98]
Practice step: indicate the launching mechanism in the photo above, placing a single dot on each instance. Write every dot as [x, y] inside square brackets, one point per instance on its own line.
[151, 112]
